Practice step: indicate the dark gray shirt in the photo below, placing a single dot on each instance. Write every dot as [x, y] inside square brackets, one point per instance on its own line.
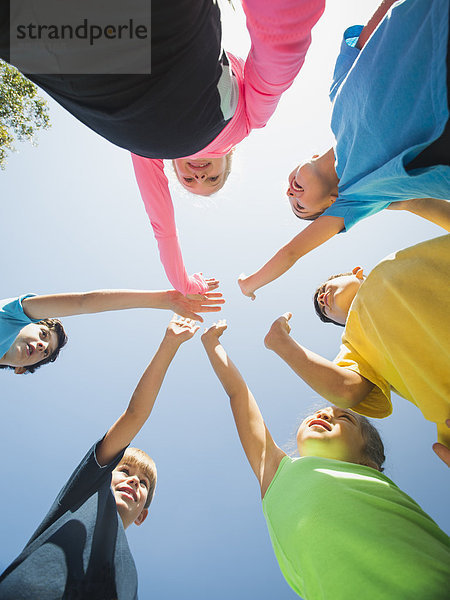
[80, 550]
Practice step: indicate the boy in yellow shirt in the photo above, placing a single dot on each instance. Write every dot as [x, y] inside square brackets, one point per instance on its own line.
[396, 337]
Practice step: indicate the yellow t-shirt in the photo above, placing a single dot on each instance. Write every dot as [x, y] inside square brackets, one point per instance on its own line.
[397, 333]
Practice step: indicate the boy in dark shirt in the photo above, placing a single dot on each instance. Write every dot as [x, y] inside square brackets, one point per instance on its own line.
[80, 550]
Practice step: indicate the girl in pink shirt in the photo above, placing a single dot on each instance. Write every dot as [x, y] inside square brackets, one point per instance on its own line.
[280, 33]
[194, 106]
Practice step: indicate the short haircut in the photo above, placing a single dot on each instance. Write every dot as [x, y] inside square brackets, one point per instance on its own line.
[140, 459]
[311, 217]
[53, 325]
[322, 316]
[374, 447]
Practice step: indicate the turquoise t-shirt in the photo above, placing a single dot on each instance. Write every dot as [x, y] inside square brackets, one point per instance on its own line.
[12, 320]
[342, 531]
[389, 104]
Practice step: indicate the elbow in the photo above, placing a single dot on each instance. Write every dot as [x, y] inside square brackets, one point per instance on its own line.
[351, 394]
[289, 256]
[85, 301]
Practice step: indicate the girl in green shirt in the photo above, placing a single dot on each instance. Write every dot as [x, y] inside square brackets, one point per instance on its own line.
[340, 529]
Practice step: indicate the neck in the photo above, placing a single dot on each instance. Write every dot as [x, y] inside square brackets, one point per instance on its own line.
[325, 163]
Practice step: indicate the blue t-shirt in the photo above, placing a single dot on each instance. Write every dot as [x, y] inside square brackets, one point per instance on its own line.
[80, 550]
[12, 320]
[389, 104]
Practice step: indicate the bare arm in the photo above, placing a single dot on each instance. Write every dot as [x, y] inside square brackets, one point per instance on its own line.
[141, 404]
[262, 453]
[373, 22]
[317, 233]
[432, 209]
[341, 386]
[78, 303]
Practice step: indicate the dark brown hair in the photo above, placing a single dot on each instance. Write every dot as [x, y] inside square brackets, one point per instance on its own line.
[53, 325]
[322, 316]
[374, 447]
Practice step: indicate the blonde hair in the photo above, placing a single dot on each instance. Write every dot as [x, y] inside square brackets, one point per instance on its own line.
[140, 459]
[228, 166]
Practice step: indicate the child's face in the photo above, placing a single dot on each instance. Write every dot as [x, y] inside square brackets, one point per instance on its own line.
[202, 176]
[33, 343]
[130, 488]
[336, 295]
[308, 193]
[332, 432]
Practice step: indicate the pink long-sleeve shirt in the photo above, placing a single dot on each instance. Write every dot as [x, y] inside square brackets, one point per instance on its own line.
[280, 33]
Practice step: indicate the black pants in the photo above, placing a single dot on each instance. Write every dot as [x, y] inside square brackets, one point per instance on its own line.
[173, 112]
[437, 153]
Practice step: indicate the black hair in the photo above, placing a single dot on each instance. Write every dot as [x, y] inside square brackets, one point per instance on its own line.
[53, 325]
[319, 312]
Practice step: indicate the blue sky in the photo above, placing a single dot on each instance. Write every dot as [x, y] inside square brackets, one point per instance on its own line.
[72, 219]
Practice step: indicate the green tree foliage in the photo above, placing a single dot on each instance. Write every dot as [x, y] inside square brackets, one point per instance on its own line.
[22, 111]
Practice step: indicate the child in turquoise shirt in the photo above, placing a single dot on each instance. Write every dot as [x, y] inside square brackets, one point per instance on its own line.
[390, 105]
[30, 337]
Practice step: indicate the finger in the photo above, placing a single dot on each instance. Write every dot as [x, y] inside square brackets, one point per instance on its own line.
[197, 318]
[194, 316]
[209, 295]
[212, 301]
[210, 309]
[287, 315]
[252, 296]
[443, 452]
[205, 307]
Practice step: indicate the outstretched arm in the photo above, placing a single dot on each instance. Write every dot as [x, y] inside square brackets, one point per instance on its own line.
[316, 234]
[373, 22]
[155, 193]
[341, 386]
[280, 33]
[432, 209]
[262, 453]
[141, 404]
[81, 303]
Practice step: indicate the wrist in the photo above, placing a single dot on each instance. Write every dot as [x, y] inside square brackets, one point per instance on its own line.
[276, 339]
[170, 297]
[210, 342]
[170, 343]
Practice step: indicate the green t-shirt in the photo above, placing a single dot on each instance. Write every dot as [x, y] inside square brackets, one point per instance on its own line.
[342, 531]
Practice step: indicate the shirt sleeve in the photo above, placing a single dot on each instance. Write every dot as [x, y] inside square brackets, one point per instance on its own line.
[353, 211]
[377, 403]
[347, 56]
[280, 33]
[86, 480]
[155, 193]
[12, 308]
